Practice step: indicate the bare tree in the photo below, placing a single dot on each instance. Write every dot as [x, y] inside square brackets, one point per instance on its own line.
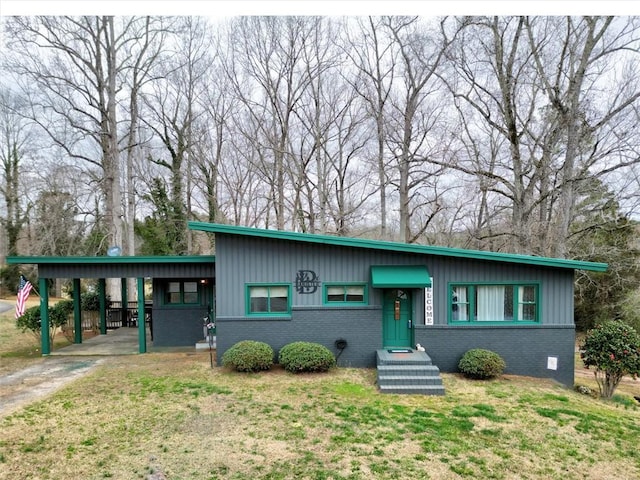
[15, 137]
[417, 108]
[577, 59]
[71, 66]
[270, 77]
[374, 55]
[170, 112]
[214, 131]
[143, 48]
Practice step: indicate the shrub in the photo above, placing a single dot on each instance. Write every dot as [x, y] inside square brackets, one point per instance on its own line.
[248, 356]
[613, 348]
[30, 320]
[306, 357]
[58, 316]
[59, 313]
[481, 364]
[90, 301]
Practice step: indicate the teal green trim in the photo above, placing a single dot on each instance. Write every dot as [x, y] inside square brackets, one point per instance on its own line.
[471, 303]
[142, 327]
[77, 312]
[268, 313]
[400, 276]
[398, 247]
[44, 316]
[345, 302]
[177, 259]
[102, 295]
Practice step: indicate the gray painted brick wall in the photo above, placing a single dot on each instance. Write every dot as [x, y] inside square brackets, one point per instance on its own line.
[360, 327]
[524, 349]
[178, 327]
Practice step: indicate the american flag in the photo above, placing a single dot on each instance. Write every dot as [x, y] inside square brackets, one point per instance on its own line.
[24, 289]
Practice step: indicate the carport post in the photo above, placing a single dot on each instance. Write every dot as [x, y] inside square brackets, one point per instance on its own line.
[44, 316]
[142, 325]
[77, 312]
[102, 294]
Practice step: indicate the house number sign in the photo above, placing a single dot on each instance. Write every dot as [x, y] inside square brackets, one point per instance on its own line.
[307, 282]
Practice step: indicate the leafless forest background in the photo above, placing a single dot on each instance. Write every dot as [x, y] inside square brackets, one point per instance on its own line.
[513, 134]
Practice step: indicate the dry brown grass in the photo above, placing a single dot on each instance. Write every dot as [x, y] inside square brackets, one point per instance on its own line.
[19, 350]
[171, 413]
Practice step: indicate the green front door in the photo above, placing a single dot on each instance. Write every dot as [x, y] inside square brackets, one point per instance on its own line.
[396, 319]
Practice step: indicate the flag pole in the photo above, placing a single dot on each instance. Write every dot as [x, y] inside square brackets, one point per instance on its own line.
[33, 289]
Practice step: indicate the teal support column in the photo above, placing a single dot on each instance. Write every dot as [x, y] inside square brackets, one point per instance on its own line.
[44, 316]
[125, 302]
[77, 312]
[142, 328]
[102, 294]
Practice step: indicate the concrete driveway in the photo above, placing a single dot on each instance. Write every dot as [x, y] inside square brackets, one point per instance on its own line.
[122, 341]
[6, 306]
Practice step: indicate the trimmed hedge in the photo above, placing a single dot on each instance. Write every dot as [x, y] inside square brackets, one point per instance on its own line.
[481, 364]
[248, 356]
[299, 357]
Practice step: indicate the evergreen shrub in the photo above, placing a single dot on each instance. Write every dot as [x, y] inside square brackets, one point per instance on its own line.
[58, 316]
[306, 357]
[90, 301]
[248, 356]
[481, 364]
[612, 349]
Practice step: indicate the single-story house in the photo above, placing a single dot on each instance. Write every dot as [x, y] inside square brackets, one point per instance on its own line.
[358, 296]
[366, 300]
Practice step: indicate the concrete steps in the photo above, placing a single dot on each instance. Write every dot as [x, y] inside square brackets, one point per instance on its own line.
[408, 371]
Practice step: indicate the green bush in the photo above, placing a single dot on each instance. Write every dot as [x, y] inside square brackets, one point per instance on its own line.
[306, 357]
[30, 321]
[481, 364]
[58, 316]
[248, 356]
[59, 313]
[613, 348]
[90, 301]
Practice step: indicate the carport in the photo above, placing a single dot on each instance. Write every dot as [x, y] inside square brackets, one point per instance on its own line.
[176, 320]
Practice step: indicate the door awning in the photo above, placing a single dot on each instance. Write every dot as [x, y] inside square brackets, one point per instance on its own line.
[400, 276]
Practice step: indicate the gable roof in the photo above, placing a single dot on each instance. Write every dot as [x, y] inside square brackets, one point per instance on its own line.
[398, 247]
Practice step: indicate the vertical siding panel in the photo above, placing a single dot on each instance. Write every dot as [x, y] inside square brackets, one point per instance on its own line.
[251, 259]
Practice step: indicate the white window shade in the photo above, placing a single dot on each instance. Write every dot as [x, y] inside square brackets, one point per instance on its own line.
[490, 303]
[259, 292]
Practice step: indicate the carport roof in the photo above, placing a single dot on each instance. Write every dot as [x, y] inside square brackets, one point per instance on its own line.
[172, 266]
[177, 259]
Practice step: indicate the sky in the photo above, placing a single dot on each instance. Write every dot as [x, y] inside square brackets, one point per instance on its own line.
[225, 8]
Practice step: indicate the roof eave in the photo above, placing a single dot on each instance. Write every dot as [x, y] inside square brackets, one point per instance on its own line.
[399, 247]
